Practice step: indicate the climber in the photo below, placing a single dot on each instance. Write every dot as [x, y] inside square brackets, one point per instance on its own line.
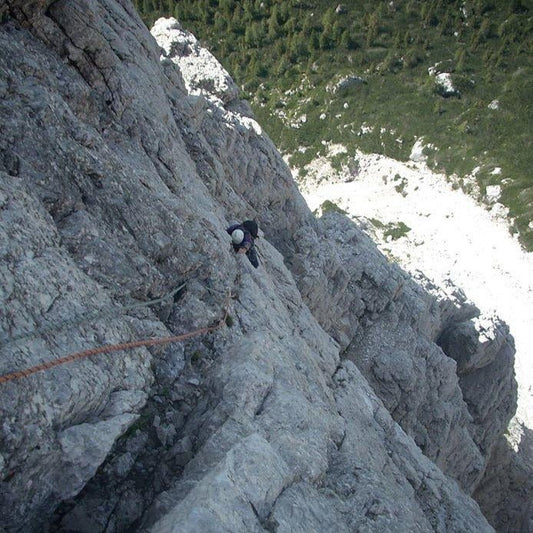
[242, 237]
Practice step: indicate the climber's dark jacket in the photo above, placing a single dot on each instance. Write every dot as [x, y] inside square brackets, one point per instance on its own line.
[247, 243]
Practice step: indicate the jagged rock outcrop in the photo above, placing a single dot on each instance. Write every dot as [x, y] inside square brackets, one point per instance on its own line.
[393, 335]
[444, 85]
[310, 410]
[509, 483]
[201, 72]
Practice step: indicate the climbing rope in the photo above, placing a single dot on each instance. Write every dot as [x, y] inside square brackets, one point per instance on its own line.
[114, 348]
[107, 312]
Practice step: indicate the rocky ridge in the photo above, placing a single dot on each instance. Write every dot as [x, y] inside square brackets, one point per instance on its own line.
[452, 238]
[120, 169]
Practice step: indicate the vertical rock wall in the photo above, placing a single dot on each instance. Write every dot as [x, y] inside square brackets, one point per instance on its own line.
[120, 168]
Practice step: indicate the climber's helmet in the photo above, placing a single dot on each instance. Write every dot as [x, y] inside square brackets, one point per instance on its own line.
[237, 236]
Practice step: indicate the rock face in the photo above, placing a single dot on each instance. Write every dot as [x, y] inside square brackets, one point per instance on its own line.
[343, 395]
[201, 72]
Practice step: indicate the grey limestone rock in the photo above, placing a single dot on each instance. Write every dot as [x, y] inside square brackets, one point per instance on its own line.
[120, 167]
[393, 331]
[202, 73]
[347, 83]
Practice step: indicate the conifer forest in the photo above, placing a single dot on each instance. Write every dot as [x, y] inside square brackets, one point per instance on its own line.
[290, 59]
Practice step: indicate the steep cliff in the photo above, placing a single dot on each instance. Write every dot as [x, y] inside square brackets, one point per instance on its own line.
[121, 165]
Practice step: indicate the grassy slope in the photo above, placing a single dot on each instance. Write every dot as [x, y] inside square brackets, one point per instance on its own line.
[287, 55]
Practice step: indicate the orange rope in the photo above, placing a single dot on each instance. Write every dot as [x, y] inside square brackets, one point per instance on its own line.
[109, 348]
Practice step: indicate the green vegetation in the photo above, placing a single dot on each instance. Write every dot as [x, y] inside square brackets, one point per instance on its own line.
[196, 356]
[395, 231]
[392, 231]
[401, 183]
[329, 207]
[290, 57]
[140, 424]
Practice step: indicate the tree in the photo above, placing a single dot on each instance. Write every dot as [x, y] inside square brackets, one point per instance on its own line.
[460, 58]
[284, 13]
[313, 43]
[336, 32]
[397, 40]
[253, 35]
[372, 28]
[205, 10]
[249, 37]
[148, 7]
[220, 23]
[516, 6]
[282, 66]
[445, 25]
[482, 34]
[324, 42]
[298, 47]
[248, 12]
[274, 27]
[328, 18]
[346, 41]
[226, 6]
[236, 21]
